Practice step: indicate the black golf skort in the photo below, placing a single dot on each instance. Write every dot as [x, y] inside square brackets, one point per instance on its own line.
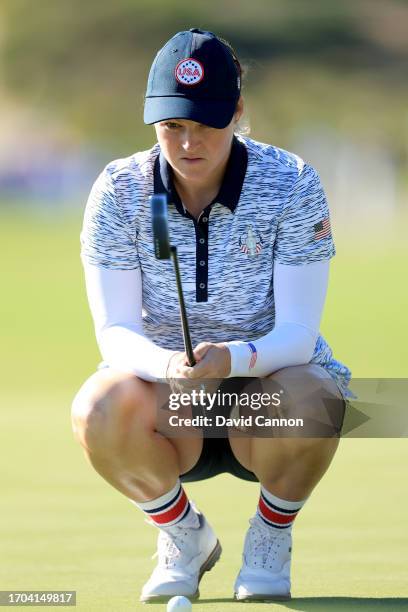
[217, 458]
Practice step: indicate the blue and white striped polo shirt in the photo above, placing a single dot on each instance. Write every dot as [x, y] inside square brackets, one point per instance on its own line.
[271, 207]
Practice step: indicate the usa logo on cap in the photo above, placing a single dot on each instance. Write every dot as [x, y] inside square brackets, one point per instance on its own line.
[189, 71]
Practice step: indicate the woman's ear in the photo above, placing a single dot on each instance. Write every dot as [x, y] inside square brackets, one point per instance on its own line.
[239, 109]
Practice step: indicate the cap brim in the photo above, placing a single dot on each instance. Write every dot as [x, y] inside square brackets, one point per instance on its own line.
[215, 113]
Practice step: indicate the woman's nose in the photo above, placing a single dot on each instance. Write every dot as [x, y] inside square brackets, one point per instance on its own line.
[190, 140]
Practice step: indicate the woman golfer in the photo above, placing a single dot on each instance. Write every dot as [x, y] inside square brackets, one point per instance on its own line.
[252, 229]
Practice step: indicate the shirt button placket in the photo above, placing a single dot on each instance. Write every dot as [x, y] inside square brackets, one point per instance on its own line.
[202, 259]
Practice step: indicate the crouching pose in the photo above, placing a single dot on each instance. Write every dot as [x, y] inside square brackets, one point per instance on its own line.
[252, 229]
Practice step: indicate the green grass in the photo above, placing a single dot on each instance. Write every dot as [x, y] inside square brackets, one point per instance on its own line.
[63, 528]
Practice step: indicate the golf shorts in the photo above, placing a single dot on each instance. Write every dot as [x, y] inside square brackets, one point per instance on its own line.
[217, 457]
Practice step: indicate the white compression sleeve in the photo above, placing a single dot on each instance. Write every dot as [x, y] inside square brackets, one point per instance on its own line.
[115, 300]
[300, 292]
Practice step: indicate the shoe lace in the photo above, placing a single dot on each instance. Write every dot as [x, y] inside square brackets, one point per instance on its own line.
[169, 546]
[265, 546]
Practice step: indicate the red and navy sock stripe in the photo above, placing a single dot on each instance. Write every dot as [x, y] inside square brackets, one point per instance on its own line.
[276, 516]
[171, 512]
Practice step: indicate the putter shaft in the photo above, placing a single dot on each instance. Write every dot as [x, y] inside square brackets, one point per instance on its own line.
[184, 322]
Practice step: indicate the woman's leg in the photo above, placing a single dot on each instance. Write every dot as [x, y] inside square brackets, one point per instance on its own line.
[114, 417]
[288, 469]
[292, 466]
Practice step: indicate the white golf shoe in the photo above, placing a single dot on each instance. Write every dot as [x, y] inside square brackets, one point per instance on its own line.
[265, 571]
[184, 554]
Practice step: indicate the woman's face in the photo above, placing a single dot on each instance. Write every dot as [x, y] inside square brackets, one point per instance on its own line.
[196, 151]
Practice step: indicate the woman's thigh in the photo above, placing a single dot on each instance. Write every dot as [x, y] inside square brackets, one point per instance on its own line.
[310, 390]
[110, 401]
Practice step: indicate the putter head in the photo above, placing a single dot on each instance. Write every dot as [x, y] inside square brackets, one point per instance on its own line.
[158, 206]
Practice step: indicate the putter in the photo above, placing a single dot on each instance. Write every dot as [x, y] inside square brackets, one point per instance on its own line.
[164, 250]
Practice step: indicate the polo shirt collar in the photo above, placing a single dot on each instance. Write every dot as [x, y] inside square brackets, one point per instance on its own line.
[231, 186]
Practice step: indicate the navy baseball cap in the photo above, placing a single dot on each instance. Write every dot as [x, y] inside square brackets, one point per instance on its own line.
[194, 76]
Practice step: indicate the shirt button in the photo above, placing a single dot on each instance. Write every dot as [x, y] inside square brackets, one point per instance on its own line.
[202, 262]
[202, 240]
[202, 285]
[205, 219]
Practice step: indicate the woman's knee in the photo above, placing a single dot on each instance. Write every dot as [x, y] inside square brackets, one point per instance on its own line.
[311, 399]
[300, 449]
[104, 406]
[299, 382]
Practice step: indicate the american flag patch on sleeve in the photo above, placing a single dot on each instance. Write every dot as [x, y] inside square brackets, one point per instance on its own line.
[322, 229]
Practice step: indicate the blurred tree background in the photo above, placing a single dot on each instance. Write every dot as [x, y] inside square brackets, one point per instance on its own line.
[323, 77]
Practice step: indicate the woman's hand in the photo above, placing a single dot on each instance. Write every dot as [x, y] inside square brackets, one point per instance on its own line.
[213, 364]
[213, 361]
[176, 374]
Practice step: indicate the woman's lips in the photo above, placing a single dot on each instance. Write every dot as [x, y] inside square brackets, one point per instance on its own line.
[192, 160]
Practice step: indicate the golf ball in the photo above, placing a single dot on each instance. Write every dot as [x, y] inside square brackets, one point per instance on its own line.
[179, 603]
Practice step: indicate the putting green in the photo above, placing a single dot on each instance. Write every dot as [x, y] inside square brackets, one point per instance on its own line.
[63, 527]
